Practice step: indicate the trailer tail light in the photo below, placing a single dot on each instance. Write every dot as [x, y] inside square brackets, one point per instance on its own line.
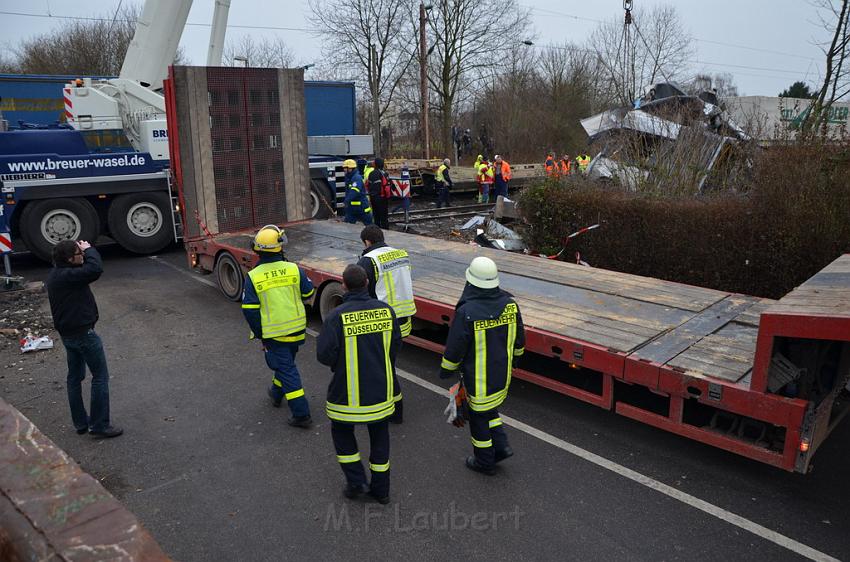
[804, 445]
[194, 260]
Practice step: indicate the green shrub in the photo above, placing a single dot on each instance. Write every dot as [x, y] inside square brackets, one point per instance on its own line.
[770, 236]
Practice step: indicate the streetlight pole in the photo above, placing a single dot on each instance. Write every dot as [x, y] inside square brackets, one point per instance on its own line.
[376, 104]
[423, 80]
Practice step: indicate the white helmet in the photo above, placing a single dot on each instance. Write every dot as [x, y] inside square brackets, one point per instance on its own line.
[447, 162]
[482, 273]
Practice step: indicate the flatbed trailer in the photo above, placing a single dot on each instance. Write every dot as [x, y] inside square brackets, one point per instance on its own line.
[696, 362]
[761, 378]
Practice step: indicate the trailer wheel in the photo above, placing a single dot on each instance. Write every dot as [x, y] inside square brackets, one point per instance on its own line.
[47, 222]
[228, 275]
[330, 298]
[141, 222]
[321, 201]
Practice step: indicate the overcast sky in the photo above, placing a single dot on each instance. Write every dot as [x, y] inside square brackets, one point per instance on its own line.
[765, 44]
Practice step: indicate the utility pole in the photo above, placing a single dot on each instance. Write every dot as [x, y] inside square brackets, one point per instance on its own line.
[423, 80]
[376, 104]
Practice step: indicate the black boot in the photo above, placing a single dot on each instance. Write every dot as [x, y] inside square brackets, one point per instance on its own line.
[473, 464]
[353, 492]
[504, 454]
[301, 421]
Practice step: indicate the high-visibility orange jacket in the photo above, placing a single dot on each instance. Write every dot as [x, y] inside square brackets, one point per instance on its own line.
[506, 170]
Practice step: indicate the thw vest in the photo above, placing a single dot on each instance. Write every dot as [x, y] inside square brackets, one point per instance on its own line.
[278, 286]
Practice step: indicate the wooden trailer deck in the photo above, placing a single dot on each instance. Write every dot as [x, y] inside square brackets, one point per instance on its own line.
[701, 332]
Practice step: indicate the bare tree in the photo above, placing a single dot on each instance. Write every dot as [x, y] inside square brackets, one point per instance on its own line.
[265, 53]
[93, 47]
[367, 38]
[654, 46]
[834, 17]
[469, 39]
[81, 47]
[722, 84]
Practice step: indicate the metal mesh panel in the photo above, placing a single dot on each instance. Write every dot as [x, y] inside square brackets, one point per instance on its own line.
[244, 108]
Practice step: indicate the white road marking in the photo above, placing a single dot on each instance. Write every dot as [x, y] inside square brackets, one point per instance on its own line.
[602, 462]
[186, 272]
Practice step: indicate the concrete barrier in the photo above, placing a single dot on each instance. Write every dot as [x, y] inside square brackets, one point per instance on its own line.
[51, 510]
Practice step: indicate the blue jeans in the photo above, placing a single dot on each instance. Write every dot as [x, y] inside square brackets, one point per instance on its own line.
[81, 351]
[280, 357]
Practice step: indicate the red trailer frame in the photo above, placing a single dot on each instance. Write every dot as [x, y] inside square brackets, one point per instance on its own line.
[805, 424]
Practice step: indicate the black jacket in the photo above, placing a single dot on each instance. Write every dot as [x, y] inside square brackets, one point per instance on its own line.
[485, 336]
[373, 183]
[368, 264]
[71, 300]
[362, 336]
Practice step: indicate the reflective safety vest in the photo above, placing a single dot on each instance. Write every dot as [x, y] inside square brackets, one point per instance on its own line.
[583, 161]
[485, 173]
[394, 284]
[359, 341]
[278, 287]
[551, 167]
[566, 166]
[367, 171]
[484, 338]
[440, 178]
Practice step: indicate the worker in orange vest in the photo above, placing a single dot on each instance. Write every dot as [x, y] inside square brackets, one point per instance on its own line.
[486, 176]
[551, 165]
[566, 165]
[502, 171]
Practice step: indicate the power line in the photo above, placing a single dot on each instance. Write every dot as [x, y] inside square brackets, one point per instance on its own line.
[91, 18]
[709, 41]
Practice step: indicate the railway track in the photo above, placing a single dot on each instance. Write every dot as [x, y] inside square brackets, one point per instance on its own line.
[443, 213]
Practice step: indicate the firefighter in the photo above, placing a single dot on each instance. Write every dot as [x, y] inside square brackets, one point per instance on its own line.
[502, 171]
[583, 161]
[444, 183]
[388, 271]
[359, 342]
[272, 305]
[550, 165]
[380, 191]
[357, 206]
[566, 165]
[485, 337]
[485, 179]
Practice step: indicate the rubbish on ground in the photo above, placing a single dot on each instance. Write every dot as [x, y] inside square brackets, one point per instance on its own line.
[473, 222]
[32, 343]
[661, 120]
[499, 237]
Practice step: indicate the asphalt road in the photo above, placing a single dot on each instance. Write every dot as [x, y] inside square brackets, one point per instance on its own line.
[213, 471]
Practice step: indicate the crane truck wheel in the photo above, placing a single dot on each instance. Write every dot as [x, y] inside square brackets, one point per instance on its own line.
[321, 201]
[229, 277]
[330, 298]
[47, 222]
[141, 222]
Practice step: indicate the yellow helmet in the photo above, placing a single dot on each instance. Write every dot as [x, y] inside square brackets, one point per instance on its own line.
[270, 238]
[351, 164]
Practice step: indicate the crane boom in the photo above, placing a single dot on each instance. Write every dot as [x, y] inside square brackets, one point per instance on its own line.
[155, 42]
[219, 26]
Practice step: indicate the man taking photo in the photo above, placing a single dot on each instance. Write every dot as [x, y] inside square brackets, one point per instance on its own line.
[74, 310]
